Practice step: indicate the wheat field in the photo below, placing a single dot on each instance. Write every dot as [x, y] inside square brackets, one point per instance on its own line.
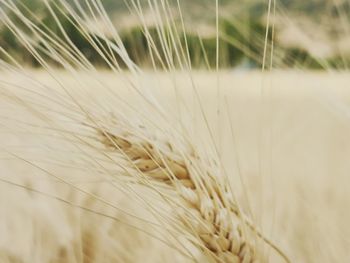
[170, 163]
[299, 194]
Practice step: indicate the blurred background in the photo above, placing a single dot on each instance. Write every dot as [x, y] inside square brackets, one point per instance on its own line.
[312, 34]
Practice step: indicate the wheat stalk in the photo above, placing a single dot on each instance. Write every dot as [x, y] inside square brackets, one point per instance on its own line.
[209, 214]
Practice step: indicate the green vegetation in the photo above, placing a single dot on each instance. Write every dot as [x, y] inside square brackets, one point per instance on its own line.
[241, 42]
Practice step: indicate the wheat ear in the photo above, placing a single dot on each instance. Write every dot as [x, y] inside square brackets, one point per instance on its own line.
[211, 218]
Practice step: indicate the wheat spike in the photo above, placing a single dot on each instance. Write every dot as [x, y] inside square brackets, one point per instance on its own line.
[211, 217]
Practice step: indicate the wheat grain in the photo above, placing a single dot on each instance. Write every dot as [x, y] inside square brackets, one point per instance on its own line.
[211, 217]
